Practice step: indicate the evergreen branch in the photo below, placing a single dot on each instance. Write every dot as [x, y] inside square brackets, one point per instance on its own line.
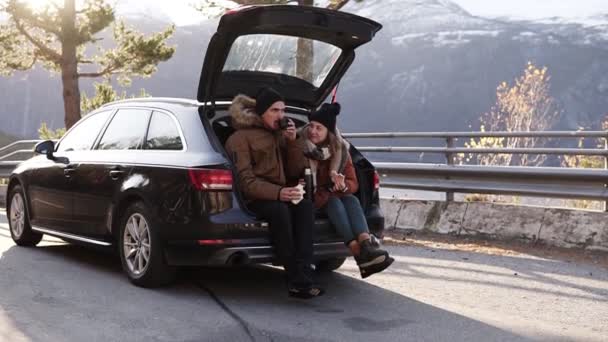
[44, 20]
[107, 71]
[36, 22]
[48, 52]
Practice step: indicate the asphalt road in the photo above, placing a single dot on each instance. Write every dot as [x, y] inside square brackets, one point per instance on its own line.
[60, 292]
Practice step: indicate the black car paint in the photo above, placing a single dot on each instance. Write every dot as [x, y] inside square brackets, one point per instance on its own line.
[160, 180]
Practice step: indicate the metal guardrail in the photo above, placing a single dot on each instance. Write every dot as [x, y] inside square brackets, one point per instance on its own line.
[528, 181]
[11, 155]
[555, 182]
[450, 138]
[447, 135]
[507, 180]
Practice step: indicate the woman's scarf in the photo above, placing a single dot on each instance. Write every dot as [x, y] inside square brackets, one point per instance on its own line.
[334, 149]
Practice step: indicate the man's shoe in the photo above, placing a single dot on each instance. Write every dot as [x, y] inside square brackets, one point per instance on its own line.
[306, 292]
[372, 259]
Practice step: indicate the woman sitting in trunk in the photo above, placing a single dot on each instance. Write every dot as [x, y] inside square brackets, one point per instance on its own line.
[326, 154]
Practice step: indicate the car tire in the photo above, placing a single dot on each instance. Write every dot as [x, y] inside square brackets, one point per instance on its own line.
[141, 248]
[329, 265]
[18, 219]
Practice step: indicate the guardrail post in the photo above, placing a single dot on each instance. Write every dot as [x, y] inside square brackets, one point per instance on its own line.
[605, 203]
[449, 157]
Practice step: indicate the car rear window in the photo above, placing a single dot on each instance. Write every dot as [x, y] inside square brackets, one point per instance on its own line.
[279, 54]
[163, 134]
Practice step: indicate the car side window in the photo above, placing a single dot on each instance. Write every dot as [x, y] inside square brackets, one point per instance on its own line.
[126, 130]
[83, 136]
[163, 134]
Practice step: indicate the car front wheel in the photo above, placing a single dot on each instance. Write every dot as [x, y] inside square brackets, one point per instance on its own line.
[18, 219]
[141, 249]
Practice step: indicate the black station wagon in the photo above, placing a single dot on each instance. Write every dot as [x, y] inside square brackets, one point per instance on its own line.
[150, 177]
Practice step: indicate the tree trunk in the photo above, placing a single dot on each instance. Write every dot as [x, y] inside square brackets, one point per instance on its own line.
[69, 65]
[305, 53]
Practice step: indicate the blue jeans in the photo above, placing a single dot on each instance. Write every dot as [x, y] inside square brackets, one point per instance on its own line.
[346, 214]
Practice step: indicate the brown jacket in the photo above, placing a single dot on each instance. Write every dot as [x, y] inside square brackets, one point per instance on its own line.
[257, 152]
[297, 162]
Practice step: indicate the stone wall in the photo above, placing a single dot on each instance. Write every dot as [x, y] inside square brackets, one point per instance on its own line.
[558, 227]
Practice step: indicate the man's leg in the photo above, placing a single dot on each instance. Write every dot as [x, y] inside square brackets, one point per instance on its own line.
[279, 219]
[303, 226]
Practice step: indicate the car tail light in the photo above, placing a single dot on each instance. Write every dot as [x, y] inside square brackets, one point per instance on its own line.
[211, 179]
[376, 180]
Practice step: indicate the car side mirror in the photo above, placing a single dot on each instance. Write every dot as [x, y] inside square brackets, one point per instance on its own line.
[46, 147]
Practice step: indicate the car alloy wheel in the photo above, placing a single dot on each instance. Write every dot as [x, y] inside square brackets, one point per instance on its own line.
[137, 244]
[17, 215]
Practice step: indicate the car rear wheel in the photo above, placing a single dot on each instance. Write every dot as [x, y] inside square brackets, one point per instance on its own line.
[141, 249]
[18, 219]
[329, 265]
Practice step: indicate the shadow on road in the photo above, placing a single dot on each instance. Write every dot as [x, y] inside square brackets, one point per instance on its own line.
[66, 292]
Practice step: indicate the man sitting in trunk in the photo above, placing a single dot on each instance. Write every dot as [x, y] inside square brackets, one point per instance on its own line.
[258, 149]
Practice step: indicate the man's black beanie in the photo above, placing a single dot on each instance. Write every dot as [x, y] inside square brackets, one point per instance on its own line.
[326, 115]
[265, 98]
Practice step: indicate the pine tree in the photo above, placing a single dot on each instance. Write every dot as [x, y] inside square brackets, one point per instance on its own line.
[105, 93]
[58, 38]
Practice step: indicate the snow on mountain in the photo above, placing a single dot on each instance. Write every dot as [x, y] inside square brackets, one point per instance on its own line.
[434, 66]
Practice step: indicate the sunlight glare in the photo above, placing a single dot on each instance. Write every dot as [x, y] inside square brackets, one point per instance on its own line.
[38, 5]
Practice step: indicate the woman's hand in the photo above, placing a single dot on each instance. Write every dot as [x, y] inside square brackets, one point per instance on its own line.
[339, 182]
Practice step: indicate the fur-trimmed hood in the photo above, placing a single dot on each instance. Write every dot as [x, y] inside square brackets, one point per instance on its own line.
[242, 111]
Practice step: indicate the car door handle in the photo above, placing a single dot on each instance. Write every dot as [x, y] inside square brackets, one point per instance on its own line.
[115, 174]
[68, 172]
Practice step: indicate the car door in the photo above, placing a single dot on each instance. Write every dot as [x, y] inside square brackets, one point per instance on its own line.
[99, 176]
[51, 184]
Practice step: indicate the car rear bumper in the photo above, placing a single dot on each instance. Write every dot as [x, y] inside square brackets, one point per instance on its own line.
[239, 255]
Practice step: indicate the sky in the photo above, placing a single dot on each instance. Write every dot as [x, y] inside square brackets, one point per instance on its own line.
[182, 12]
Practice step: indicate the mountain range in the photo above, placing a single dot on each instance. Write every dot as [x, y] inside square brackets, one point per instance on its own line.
[433, 67]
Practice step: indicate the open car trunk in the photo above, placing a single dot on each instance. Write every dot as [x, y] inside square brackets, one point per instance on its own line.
[302, 52]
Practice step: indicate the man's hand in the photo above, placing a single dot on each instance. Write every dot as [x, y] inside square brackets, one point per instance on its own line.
[289, 194]
[290, 131]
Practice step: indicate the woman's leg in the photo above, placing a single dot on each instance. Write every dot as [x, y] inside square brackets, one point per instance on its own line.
[339, 215]
[339, 218]
[371, 259]
[356, 217]
[355, 248]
